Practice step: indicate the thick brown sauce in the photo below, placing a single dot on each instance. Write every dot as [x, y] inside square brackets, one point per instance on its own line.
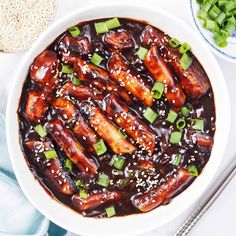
[163, 155]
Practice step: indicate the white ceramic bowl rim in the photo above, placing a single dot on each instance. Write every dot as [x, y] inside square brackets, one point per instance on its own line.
[133, 224]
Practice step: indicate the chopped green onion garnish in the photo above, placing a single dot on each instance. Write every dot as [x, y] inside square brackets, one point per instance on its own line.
[175, 137]
[68, 165]
[211, 25]
[50, 154]
[79, 183]
[214, 12]
[221, 38]
[113, 23]
[76, 81]
[122, 135]
[174, 43]
[40, 130]
[185, 111]
[180, 123]
[118, 162]
[123, 182]
[229, 6]
[229, 26]
[184, 48]
[141, 53]
[193, 170]
[150, 115]
[220, 18]
[206, 6]
[198, 124]
[96, 59]
[157, 90]
[100, 147]
[177, 160]
[171, 117]
[74, 31]
[101, 27]
[103, 180]
[67, 69]
[83, 193]
[110, 211]
[185, 61]
[202, 15]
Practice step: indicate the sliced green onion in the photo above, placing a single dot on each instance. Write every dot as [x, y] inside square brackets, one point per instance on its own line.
[100, 147]
[74, 31]
[193, 170]
[211, 25]
[185, 111]
[185, 61]
[214, 12]
[184, 48]
[198, 124]
[67, 69]
[96, 59]
[113, 23]
[180, 123]
[40, 130]
[221, 3]
[122, 135]
[229, 6]
[83, 193]
[175, 137]
[220, 18]
[202, 15]
[101, 27]
[174, 43]
[229, 26]
[150, 115]
[68, 165]
[141, 53]
[157, 90]
[177, 160]
[50, 154]
[118, 162]
[206, 6]
[76, 81]
[110, 211]
[221, 38]
[79, 183]
[103, 180]
[171, 117]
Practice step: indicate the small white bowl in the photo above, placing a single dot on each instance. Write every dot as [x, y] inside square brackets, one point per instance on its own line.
[137, 223]
[228, 53]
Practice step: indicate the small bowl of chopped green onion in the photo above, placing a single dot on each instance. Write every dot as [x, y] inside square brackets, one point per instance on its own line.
[215, 21]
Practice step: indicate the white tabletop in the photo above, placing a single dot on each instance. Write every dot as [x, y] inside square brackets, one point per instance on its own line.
[219, 220]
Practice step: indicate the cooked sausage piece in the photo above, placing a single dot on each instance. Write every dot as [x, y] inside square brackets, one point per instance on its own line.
[161, 73]
[120, 39]
[133, 126]
[53, 171]
[121, 72]
[106, 129]
[44, 70]
[193, 80]
[85, 134]
[100, 79]
[162, 194]
[80, 92]
[71, 147]
[95, 199]
[204, 141]
[36, 106]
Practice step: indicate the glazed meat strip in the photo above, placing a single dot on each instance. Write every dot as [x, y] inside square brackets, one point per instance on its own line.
[100, 79]
[161, 73]
[204, 141]
[193, 80]
[85, 134]
[127, 120]
[122, 73]
[44, 70]
[106, 129]
[35, 106]
[71, 147]
[71, 47]
[53, 171]
[95, 199]
[81, 92]
[162, 194]
[120, 39]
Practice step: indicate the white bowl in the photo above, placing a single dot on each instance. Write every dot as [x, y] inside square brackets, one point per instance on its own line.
[228, 53]
[137, 223]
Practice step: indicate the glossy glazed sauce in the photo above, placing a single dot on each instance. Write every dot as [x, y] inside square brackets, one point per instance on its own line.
[109, 105]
